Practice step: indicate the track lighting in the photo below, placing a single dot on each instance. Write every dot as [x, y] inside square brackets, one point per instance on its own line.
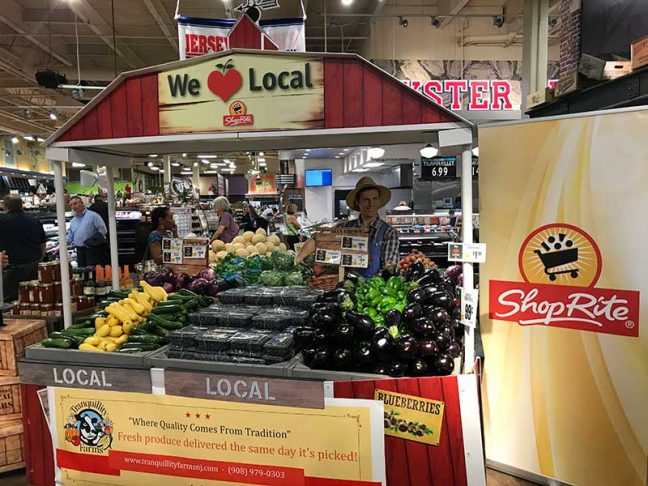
[435, 22]
[498, 21]
[53, 114]
[403, 22]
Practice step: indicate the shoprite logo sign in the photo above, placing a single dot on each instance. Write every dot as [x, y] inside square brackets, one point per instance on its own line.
[560, 265]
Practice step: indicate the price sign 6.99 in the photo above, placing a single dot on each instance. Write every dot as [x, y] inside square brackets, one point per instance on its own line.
[438, 168]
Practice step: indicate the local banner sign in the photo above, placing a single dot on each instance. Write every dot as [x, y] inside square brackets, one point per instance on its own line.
[247, 92]
[563, 301]
[130, 438]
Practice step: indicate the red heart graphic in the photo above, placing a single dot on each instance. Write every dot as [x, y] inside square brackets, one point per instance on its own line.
[224, 85]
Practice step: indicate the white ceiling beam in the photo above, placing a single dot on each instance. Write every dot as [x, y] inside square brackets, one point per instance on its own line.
[99, 26]
[163, 20]
[11, 15]
[450, 7]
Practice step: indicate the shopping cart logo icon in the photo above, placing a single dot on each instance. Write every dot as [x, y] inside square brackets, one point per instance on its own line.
[558, 256]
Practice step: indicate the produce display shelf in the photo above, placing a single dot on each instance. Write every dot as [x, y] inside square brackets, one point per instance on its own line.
[89, 358]
[301, 371]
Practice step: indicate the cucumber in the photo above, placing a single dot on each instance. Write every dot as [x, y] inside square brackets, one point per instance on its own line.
[169, 309]
[80, 331]
[75, 340]
[140, 338]
[56, 343]
[83, 324]
[165, 323]
[153, 329]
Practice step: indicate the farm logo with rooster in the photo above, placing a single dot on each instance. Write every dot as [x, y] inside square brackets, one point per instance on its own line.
[560, 265]
[89, 428]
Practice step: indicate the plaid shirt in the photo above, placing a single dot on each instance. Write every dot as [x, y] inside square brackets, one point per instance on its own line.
[390, 254]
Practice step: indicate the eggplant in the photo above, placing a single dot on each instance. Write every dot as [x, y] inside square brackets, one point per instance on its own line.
[412, 311]
[447, 329]
[419, 367]
[442, 339]
[405, 346]
[343, 333]
[322, 338]
[362, 324]
[430, 276]
[423, 327]
[428, 348]
[414, 271]
[307, 355]
[354, 277]
[455, 349]
[397, 369]
[381, 369]
[444, 364]
[429, 290]
[304, 336]
[388, 272]
[342, 358]
[363, 354]
[393, 318]
[438, 315]
[456, 313]
[442, 299]
[330, 307]
[416, 296]
[322, 357]
[458, 327]
[381, 343]
[342, 297]
[326, 320]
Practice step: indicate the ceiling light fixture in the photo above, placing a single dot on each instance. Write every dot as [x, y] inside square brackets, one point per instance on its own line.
[150, 164]
[195, 164]
[403, 22]
[347, 3]
[40, 139]
[184, 154]
[29, 138]
[374, 164]
[78, 164]
[53, 114]
[153, 156]
[428, 151]
[262, 159]
[204, 161]
[435, 22]
[227, 161]
[175, 164]
[475, 151]
[261, 154]
[498, 21]
[14, 140]
[207, 156]
[376, 152]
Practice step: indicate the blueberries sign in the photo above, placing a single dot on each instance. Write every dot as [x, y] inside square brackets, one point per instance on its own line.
[242, 92]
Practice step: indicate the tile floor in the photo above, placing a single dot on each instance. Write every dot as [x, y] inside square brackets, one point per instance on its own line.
[493, 478]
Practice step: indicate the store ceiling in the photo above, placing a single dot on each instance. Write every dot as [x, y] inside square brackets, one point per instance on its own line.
[39, 34]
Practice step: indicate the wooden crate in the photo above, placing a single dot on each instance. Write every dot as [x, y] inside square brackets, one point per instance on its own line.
[10, 400]
[15, 337]
[12, 453]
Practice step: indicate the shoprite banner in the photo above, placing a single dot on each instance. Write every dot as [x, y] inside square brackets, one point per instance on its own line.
[242, 92]
[131, 438]
[563, 303]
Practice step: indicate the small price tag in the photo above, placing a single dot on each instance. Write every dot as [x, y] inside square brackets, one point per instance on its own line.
[355, 260]
[470, 252]
[331, 257]
[469, 307]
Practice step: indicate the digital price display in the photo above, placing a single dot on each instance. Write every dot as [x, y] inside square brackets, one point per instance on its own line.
[438, 168]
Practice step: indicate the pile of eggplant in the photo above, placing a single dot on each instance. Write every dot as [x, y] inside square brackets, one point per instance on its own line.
[420, 339]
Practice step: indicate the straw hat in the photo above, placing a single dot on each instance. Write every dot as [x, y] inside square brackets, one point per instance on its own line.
[367, 182]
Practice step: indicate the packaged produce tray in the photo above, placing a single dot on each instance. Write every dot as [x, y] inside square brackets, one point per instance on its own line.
[162, 360]
[280, 347]
[215, 340]
[185, 337]
[41, 354]
[233, 296]
[249, 343]
[261, 296]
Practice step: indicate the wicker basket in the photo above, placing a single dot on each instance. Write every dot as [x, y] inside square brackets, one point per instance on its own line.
[324, 282]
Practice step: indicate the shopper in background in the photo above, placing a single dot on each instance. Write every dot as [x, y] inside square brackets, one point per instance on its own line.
[292, 226]
[101, 208]
[22, 239]
[227, 227]
[164, 226]
[367, 198]
[251, 221]
[88, 233]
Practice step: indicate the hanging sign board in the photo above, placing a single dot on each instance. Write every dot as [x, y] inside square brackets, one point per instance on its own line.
[188, 255]
[242, 92]
[121, 438]
[438, 168]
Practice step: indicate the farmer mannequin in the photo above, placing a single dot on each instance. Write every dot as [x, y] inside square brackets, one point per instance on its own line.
[367, 198]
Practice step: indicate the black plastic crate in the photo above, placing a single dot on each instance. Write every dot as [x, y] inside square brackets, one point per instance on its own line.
[215, 340]
[249, 343]
[185, 337]
[280, 346]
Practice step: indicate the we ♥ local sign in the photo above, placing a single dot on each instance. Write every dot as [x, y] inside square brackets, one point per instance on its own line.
[242, 92]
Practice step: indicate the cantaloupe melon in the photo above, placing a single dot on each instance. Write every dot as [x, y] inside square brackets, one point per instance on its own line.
[217, 245]
[261, 248]
[229, 247]
[261, 231]
[213, 258]
[282, 247]
[275, 239]
[242, 252]
[248, 235]
[258, 238]
[239, 239]
[221, 254]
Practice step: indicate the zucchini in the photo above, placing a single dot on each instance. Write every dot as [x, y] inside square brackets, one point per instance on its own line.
[168, 309]
[165, 323]
[75, 340]
[56, 343]
[141, 338]
[83, 324]
[79, 331]
[153, 329]
[140, 346]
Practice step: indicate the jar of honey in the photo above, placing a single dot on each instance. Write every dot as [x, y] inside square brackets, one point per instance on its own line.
[46, 293]
[46, 272]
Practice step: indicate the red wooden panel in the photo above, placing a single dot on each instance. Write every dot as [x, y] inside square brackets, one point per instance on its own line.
[431, 114]
[268, 45]
[48, 450]
[417, 458]
[92, 124]
[455, 430]
[77, 131]
[150, 107]
[134, 104]
[38, 444]
[333, 93]
[119, 112]
[392, 102]
[411, 109]
[104, 118]
[439, 456]
[343, 389]
[245, 35]
[353, 99]
[364, 389]
[65, 137]
[372, 88]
